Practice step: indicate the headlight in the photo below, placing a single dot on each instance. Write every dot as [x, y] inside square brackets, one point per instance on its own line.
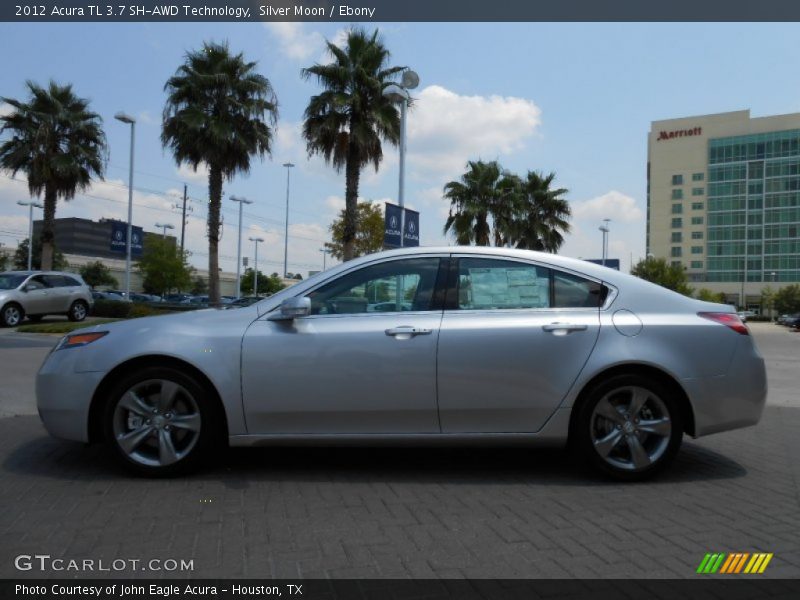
[76, 340]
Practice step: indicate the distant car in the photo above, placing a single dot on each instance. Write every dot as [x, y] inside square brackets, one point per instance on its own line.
[500, 346]
[244, 301]
[793, 321]
[176, 298]
[746, 314]
[97, 295]
[388, 307]
[35, 294]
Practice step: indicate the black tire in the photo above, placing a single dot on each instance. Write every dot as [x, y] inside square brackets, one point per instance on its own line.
[145, 458]
[624, 435]
[35, 318]
[11, 315]
[78, 311]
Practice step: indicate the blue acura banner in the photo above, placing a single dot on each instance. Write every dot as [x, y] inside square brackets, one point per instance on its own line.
[392, 232]
[119, 238]
[411, 228]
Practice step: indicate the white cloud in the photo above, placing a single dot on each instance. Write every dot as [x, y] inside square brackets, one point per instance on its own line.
[294, 41]
[5, 109]
[146, 118]
[185, 171]
[445, 130]
[612, 205]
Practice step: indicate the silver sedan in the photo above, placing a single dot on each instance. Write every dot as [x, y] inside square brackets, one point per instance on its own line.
[469, 345]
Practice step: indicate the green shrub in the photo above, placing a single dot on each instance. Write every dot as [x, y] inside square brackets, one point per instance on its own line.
[145, 310]
[115, 309]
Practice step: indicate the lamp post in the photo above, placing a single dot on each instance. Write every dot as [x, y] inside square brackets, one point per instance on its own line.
[604, 228]
[164, 226]
[255, 265]
[288, 166]
[399, 93]
[125, 118]
[325, 253]
[30, 204]
[241, 201]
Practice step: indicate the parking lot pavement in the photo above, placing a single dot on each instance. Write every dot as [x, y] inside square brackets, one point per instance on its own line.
[416, 512]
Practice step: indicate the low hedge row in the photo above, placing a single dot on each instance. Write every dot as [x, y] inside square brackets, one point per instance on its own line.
[115, 309]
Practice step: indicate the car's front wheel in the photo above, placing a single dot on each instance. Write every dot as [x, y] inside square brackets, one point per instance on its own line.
[78, 311]
[159, 421]
[11, 315]
[629, 427]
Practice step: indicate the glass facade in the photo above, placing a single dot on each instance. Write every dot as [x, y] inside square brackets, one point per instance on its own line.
[753, 201]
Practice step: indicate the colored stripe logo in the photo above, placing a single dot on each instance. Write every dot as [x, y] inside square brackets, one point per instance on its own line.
[735, 562]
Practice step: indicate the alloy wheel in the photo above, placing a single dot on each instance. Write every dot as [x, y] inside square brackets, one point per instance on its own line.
[156, 423]
[12, 316]
[630, 428]
[79, 311]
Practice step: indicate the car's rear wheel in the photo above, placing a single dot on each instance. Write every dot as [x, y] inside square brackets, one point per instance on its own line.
[629, 427]
[78, 311]
[12, 315]
[159, 421]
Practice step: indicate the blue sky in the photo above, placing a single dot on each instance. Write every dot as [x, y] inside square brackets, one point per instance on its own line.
[576, 99]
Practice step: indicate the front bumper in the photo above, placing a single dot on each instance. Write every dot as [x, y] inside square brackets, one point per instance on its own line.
[63, 396]
[733, 400]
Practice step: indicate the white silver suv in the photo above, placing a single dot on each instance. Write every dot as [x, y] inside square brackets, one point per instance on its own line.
[38, 293]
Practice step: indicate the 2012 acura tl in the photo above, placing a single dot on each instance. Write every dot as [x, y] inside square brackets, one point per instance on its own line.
[424, 346]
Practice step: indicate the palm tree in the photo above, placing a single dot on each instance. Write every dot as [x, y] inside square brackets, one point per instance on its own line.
[219, 112]
[483, 192]
[542, 214]
[347, 121]
[58, 143]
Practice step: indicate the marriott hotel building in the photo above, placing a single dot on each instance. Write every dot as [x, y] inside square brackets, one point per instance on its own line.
[723, 200]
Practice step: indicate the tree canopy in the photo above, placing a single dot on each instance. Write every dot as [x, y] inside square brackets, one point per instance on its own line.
[58, 143]
[219, 112]
[659, 271]
[348, 120]
[369, 231]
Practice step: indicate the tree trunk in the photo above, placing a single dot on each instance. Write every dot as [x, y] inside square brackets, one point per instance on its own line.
[349, 229]
[214, 205]
[48, 229]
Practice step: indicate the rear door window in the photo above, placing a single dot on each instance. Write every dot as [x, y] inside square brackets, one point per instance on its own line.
[572, 291]
[490, 284]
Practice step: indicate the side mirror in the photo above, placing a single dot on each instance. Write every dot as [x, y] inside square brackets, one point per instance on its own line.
[27, 288]
[291, 309]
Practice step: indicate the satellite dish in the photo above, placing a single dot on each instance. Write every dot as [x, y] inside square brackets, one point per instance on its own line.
[410, 80]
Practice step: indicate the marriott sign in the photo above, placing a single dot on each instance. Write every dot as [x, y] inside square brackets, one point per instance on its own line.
[677, 133]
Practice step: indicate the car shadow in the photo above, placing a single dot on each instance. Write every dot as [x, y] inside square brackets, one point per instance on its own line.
[239, 468]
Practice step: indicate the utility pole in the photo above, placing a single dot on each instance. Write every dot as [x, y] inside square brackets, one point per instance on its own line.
[183, 218]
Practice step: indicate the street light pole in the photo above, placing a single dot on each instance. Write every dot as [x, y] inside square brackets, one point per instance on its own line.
[325, 252]
[399, 93]
[288, 166]
[604, 228]
[121, 116]
[255, 271]
[164, 226]
[241, 202]
[30, 204]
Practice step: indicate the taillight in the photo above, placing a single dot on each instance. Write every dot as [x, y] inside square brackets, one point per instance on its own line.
[731, 320]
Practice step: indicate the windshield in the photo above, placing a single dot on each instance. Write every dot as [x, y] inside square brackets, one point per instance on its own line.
[10, 281]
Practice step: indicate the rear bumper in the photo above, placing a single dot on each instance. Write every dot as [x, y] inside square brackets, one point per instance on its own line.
[733, 400]
[63, 396]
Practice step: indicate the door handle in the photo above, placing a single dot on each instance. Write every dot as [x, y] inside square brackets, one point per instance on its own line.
[405, 331]
[563, 328]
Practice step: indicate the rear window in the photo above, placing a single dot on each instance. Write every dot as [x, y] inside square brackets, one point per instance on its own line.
[571, 291]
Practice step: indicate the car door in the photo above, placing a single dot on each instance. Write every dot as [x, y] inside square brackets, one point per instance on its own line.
[61, 289]
[38, 299]
[349, 367]
[514, 337]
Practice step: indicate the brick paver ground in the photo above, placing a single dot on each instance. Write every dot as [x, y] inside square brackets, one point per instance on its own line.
[407, 512]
